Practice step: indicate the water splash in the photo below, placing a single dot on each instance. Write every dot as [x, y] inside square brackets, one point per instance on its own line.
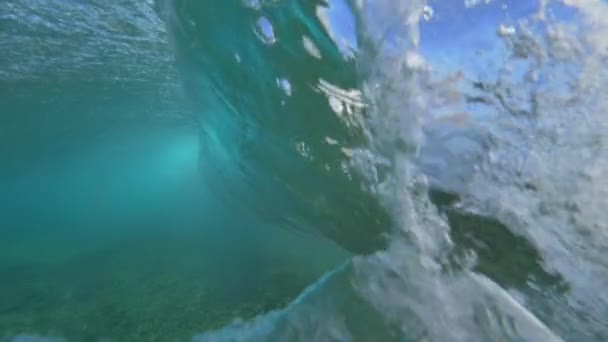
[518, 130]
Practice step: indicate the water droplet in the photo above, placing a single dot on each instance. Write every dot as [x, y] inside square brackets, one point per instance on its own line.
[427, 12]
[265, 31]
[303, 150]
[504, 30]
[310, 47]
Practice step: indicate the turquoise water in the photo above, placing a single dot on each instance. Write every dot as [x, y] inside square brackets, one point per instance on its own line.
[303, 171]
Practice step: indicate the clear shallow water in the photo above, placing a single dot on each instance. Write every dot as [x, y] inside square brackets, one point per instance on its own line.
[357, 171]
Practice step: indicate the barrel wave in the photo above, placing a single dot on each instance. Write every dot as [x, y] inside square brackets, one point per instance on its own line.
[303, 170]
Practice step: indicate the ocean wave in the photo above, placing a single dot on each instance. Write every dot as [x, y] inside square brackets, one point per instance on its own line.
[456, 150]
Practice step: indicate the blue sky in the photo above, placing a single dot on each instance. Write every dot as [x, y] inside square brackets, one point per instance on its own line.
[455, 34]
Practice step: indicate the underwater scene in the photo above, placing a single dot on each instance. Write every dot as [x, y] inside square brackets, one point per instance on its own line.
[303, 170]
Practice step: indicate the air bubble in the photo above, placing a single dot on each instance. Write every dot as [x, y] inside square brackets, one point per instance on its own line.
[285, 85]
[265, 31]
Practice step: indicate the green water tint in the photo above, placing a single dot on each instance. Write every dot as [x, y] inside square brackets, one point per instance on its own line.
[95, 247]
[157, 289]
[116, 226]
[267, 141]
